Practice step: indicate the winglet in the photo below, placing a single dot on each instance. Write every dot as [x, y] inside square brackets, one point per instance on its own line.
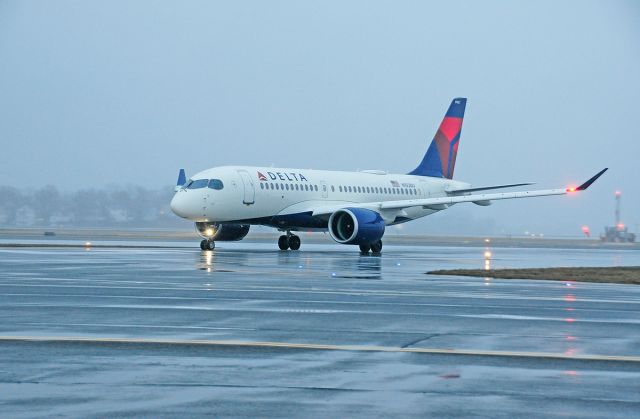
[588, 183]
[182, 178]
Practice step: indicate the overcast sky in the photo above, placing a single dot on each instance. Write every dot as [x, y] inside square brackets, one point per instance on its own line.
[94, 93]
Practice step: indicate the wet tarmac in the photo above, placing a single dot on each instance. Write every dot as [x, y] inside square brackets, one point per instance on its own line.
[247, 330]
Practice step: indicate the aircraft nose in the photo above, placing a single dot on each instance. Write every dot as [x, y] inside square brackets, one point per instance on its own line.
[178, 204]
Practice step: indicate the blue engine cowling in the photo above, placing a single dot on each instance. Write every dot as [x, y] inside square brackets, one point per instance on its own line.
[222, 232]
[356, 226]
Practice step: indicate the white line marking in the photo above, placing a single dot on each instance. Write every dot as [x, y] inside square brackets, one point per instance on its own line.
[315, 346]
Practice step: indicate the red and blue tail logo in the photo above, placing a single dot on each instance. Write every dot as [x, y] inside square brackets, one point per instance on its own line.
[261, 176]
[440, 159]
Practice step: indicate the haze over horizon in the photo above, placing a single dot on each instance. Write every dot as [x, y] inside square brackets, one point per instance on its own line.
[101, 93]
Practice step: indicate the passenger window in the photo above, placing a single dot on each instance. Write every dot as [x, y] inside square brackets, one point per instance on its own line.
[198, 184]
[315, 187]
[332, 189]
[340, 188]
[216, 184]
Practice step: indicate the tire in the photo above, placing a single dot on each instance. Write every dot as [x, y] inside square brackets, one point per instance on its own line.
[294, 242]
[211, 245]
[376, 247]
[364, 248]
[283, 242]
[203, 245]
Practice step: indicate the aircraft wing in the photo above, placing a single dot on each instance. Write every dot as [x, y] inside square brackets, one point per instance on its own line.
[441, 203]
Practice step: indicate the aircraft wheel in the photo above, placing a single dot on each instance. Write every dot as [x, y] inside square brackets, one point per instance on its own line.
[364, 248]
[376, 247]
[203, 244]
[211, 245]
[283, 242]
[294, 242]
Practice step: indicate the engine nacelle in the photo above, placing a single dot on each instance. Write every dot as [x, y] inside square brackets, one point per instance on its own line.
[222, 232]
[356, 226]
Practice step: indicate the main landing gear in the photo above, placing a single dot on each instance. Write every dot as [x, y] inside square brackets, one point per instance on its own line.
[207, 244]
[289, 241]
[375, 248]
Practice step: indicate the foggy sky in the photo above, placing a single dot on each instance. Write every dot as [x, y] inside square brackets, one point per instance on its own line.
[97, 93]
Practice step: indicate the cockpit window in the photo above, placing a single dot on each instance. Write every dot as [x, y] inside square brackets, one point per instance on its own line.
[216, 184]
[197, 184]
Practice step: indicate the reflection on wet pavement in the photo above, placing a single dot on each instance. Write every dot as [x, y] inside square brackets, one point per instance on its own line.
[324, 295]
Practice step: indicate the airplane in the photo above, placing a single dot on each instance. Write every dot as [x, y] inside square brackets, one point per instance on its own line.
[354, 207]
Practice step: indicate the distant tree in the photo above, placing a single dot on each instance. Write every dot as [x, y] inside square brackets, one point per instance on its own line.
[11, 199]
[90, 208]
[45, 203]
[133, 206]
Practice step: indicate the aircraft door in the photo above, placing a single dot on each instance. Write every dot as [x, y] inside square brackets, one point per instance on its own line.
[323, 186]
[249, 191]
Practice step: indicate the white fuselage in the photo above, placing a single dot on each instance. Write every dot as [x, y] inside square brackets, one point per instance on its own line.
[285, 198]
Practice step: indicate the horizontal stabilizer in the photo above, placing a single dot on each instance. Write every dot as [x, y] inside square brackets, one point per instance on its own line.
[486, 188]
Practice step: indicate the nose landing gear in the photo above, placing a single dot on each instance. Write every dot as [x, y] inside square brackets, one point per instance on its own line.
[207, 245]
[289, 241]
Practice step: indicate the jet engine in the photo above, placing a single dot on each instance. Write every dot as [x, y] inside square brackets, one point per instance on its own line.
[222, 232]
[356, 226]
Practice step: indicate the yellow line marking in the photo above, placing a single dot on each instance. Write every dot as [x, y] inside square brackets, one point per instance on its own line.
[316, 346]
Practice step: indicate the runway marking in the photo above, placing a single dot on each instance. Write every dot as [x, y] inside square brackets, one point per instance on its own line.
[316, 346]
[355, 292]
